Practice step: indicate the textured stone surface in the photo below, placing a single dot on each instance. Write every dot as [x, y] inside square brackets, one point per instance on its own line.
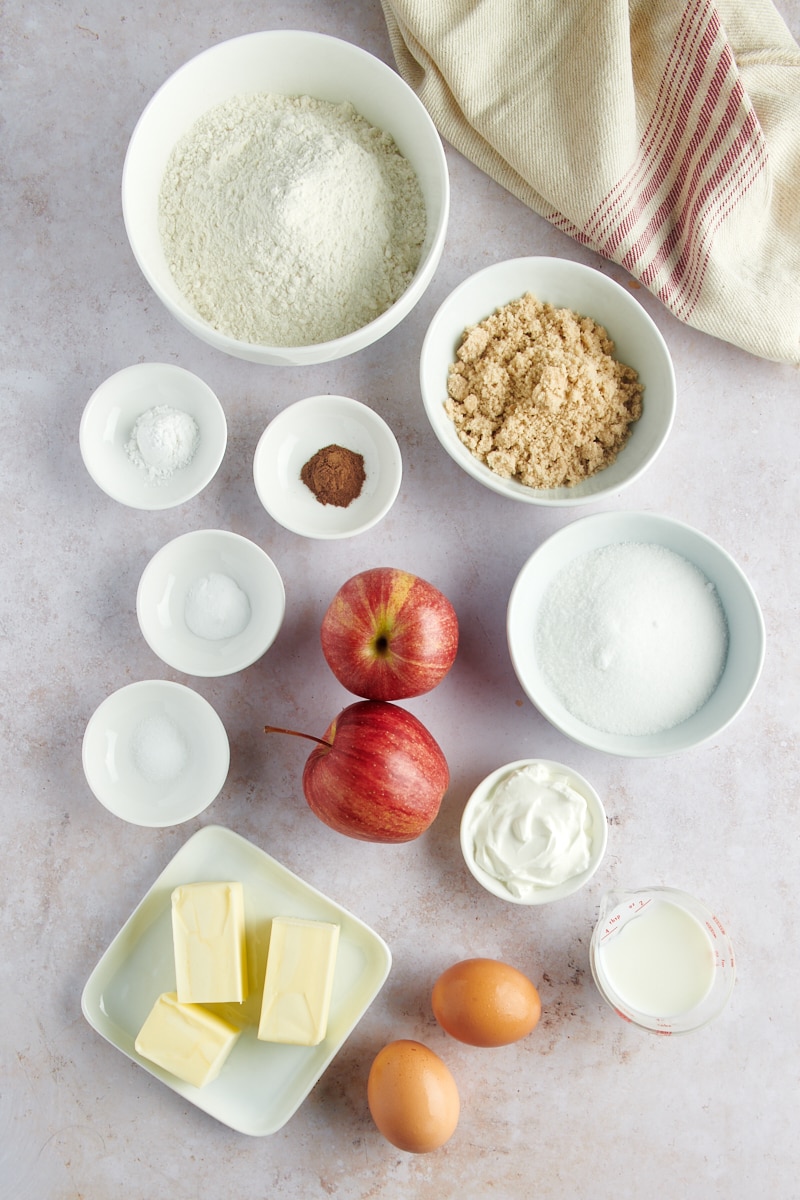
[586, 1106]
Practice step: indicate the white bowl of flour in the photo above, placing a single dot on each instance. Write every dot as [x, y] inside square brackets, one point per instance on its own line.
[635, 634]
[286, 196]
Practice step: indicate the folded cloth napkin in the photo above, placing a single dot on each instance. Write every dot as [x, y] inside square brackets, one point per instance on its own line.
[663, 134]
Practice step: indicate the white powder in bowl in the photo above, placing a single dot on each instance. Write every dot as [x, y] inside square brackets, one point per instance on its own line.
[216, 608]
[163, 440]
[632, 638]
[159, 749]
[289, 221]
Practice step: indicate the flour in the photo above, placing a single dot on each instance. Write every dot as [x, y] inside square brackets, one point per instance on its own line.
[288, 220]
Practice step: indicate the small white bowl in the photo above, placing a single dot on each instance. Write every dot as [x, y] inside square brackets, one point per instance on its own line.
[283, 62]
[537, 895]
[297, 433]
[745, 653]
[564, 284]
[169, 580]
[108, 420]
[172, 779]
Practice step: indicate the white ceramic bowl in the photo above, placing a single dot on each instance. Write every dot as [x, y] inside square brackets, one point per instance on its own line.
[169, 582]
[297, 433]
[745, 654]
[538, 895]
[290, 62]
[169, 779]
[107, 424]
[562, 283]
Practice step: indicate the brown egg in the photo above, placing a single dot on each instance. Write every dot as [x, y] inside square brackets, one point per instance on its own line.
[413, 1097]
[484, 1002]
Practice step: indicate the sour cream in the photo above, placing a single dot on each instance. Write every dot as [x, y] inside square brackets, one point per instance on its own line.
[532, 830]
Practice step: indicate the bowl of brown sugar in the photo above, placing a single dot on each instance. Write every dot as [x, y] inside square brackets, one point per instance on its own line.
[547, 382]
[327, 467]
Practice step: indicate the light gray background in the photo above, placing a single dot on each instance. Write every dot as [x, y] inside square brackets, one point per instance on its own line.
[585, 1107]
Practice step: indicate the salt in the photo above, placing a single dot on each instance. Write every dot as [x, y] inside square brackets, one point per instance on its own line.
[163, 440]
[159, 749]
[632, 637]
[216, 608]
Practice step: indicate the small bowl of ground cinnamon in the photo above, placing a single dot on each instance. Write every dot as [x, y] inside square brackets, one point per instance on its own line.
[327, 467]
[547, 382]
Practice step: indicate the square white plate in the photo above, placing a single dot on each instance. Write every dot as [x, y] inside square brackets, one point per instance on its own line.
[262, 1083]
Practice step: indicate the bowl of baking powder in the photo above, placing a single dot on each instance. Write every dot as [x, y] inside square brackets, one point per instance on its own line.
[635, 634]
[286, 196]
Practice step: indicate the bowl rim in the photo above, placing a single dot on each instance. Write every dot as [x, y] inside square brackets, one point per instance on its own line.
[273, 436]
[562, 497]
[366, 334]
[669, 742]
[543, 895]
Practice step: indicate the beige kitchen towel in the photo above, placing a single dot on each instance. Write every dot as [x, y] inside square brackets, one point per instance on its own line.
[665, 135]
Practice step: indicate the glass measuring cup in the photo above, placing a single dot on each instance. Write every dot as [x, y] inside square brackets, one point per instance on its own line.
[661, 959]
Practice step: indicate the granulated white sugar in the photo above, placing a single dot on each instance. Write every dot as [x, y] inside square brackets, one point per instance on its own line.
[632, 638]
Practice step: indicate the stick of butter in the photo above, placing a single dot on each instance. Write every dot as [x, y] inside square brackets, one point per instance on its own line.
[299, 980]
[208, 934]
[186, 1040]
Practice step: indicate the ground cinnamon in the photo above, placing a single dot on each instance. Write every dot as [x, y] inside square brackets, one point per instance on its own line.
[335, 475]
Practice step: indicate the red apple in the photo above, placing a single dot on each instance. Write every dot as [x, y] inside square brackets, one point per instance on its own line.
[389, 635]
[377, 774]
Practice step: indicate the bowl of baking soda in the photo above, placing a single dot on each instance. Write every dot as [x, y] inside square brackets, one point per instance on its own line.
[153, 435]
[286, 196]
[210, 602]
[635, 634]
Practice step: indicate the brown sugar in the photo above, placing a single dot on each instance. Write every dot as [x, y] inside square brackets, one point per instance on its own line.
[536, 394]
[335, 475]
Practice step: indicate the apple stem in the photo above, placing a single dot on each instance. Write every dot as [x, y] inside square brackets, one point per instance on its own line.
[296, 733]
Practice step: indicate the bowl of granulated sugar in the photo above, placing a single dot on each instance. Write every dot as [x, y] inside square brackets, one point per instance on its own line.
[286, 196]
[547, 382]
[635, 634]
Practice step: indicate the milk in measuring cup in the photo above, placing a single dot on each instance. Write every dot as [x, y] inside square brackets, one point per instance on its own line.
[661, 962]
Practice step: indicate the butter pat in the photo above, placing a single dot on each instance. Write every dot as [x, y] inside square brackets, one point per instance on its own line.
[209, 941]
[297, 988]
[186, 1040]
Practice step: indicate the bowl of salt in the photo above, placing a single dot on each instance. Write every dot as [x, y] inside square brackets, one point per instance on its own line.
[155, 753]
[153, 435]
[635, 634]
[210, 602]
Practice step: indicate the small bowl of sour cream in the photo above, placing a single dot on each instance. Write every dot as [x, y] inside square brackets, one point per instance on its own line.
[533, 831]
